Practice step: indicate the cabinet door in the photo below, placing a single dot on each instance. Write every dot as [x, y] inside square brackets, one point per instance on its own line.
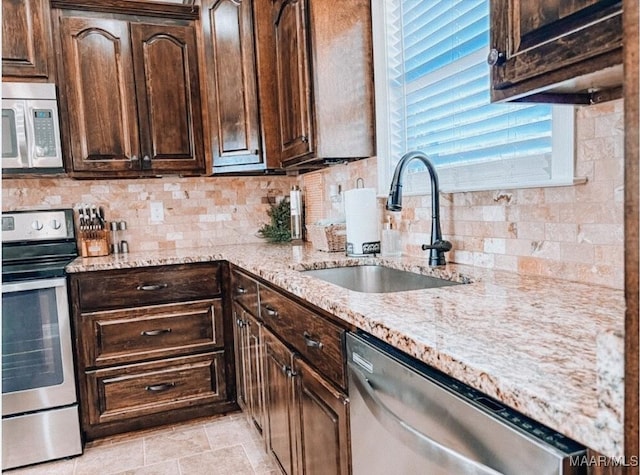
[240, 350]
[99, 105]
[324, 424]
[254, 370]
[539, 44]
[168, 94]
[279, 386]
[293, 79]
[231, 78]
[25, 38]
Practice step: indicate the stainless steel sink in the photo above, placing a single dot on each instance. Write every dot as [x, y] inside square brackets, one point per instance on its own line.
[377, 279]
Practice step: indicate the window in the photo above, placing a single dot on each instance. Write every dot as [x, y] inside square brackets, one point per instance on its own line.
[432, 94]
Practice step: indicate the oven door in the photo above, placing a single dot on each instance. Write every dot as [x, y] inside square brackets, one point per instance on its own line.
[37, 362]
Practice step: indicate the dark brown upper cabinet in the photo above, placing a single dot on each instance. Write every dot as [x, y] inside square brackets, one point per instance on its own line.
[230, 63]
[26, 39]
[556, 51]
[315, 72]
[130, 89]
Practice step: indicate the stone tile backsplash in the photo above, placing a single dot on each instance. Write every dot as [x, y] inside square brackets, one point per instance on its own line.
[197, 211]
[574, 232]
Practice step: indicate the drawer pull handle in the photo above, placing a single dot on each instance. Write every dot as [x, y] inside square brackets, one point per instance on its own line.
[311, 342]
[150, 287]
[270, 311]
[157, 332]
[156, 388]
[240, 290]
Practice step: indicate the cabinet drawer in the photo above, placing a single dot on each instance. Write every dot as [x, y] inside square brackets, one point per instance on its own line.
[147, 285]
[143, 333]
[314, 337]
[125, 392]
[244, 290]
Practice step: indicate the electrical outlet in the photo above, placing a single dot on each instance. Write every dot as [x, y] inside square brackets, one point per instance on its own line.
[157, 211]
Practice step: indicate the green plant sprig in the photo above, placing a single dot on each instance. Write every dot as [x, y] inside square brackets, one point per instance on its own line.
[279, 229]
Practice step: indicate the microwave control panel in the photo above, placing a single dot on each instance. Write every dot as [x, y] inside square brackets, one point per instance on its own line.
[44, 133]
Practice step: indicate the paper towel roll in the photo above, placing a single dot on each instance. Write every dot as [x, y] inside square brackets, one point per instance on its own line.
[360, 213]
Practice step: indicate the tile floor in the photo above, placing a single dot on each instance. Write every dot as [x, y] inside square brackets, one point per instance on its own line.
[225, 445]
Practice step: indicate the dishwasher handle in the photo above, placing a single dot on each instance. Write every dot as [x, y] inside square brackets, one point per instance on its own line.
[410, 435]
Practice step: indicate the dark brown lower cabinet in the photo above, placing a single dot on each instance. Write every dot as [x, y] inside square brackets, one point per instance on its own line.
[153, 346]
[249, 371]
[280, 404]
[291, 380]
[308, 418]
[324, 424]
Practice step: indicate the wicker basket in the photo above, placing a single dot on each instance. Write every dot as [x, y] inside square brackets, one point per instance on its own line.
[329, 238]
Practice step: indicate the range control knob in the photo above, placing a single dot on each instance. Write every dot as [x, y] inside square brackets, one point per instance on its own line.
[55, 224]
[37, 225]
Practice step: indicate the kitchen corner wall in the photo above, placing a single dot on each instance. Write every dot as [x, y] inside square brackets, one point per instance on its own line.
[197, 211]
[573, 232]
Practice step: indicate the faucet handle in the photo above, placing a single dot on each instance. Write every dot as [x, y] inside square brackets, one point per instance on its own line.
[439, 245]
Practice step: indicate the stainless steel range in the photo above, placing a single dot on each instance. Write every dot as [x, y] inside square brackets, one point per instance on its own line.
[39, 404]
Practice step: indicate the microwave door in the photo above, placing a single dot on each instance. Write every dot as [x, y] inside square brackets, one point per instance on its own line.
[44, 134]
[14, 139]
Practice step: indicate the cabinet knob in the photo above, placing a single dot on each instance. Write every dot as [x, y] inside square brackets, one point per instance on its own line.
[304, 139]
[496, 58]
[240, 290]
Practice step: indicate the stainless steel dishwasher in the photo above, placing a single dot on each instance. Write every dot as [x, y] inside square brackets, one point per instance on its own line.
[407, 418]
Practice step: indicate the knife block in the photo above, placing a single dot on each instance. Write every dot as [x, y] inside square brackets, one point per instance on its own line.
[94, 243]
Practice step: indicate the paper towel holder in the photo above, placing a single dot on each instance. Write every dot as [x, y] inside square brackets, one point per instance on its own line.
[362, 236]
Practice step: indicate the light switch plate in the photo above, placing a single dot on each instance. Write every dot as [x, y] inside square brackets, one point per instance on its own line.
[157, 211]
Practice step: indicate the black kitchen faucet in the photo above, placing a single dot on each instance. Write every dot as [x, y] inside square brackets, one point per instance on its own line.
[438, 246]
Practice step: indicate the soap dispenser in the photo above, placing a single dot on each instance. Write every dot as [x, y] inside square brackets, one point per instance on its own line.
[390, 245]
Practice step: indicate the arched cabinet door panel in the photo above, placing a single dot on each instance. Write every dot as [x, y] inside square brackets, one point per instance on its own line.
[293, 71]
[230, 60]
[130, 88]
[99, 93]
[168, 91]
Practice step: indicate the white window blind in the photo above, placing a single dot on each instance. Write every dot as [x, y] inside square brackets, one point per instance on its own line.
[433, 95]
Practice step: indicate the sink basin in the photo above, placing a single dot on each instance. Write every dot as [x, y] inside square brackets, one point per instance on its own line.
[377, 279]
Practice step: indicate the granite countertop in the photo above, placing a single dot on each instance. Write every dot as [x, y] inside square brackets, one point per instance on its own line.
[551, 349]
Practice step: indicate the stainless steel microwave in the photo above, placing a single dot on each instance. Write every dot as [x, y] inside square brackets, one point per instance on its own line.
[30, 128]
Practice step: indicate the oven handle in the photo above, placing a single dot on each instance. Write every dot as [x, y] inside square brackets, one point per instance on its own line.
[409, 434]
[33, 284]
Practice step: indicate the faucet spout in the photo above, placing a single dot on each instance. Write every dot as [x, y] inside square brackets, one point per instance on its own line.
[438, 246]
